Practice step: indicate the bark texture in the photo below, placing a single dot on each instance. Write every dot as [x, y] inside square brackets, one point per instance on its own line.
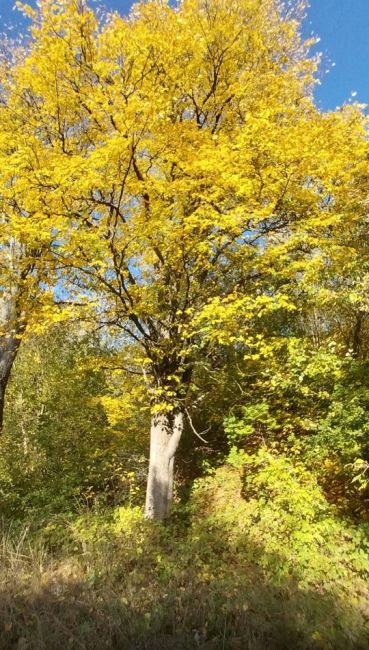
[9, 346]
[166, 431]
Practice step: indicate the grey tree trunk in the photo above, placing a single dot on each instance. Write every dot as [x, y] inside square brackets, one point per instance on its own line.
[10, 331]
[165, 434]
[8, 351]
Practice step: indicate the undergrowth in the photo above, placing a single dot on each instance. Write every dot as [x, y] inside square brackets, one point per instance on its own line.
[256, 559]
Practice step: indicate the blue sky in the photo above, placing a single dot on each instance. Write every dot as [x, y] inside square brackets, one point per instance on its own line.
[343, 27]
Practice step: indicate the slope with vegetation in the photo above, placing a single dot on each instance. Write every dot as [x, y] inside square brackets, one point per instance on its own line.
[183, 322]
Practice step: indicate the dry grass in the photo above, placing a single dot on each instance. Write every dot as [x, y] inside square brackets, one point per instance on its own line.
[152, 587]
[216, 577]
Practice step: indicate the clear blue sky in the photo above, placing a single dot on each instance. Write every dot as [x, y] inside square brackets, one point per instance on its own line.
[343, 27]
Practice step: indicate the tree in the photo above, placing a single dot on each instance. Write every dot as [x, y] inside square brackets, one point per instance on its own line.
[21, 246]
[26, 231]
[29, 226]
[184, 153]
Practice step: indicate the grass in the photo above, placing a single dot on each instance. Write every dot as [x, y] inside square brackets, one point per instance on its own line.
[205, 580]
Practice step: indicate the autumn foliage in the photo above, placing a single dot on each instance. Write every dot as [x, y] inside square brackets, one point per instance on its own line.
[183, 276]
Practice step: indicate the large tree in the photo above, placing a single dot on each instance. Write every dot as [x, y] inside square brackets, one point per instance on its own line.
[30, 226]
[25, 230]
[185, 153]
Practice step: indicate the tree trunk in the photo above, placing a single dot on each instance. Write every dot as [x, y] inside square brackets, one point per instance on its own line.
[8, 351]
[166, 431]
[10, 331]
[2, 400]
[357, 332]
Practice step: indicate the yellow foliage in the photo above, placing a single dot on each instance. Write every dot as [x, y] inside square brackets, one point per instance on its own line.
[168, 168]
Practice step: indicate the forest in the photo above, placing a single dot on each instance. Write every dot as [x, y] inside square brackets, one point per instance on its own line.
[184, 333]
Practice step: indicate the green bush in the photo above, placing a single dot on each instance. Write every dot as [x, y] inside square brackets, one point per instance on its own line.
[276, 520]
